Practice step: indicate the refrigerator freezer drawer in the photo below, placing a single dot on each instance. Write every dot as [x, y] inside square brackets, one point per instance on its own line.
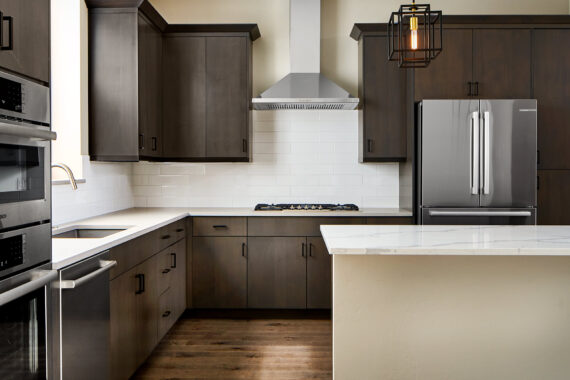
[482, 216]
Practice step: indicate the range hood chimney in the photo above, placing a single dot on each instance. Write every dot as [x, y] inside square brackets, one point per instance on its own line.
[305, 87]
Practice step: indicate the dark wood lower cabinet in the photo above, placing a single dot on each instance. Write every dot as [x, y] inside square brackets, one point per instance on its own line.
[276, 272]
[147, 309]
[219, 272]
[319, 278]
[553, 199]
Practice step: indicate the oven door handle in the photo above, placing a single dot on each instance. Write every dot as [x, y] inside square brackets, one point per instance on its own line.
[41, 279]
[27, 132]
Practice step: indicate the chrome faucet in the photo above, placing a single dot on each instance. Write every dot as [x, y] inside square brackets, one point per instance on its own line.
[69, 174]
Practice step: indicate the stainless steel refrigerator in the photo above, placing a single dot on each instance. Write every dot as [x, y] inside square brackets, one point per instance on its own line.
[476, 161]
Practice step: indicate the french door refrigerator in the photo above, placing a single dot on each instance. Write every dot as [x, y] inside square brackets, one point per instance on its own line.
[476, 162]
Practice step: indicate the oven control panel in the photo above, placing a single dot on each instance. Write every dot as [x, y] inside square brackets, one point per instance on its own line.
[11, 252]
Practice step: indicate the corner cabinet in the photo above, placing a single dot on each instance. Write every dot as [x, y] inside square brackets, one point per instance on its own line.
[162, 92]
[207, 96]
[382, 92]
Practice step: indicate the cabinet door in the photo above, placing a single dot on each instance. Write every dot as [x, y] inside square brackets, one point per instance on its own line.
[150, 84]
[449, 74]
[276, 273]
[123, 322]
[219, 272]
[553, 200]
[147, 309]
[502, 62]
[30, 37]
[184, 97]
[227, 97]
[318, 275]
[383, 92]
[178, 281]
[551, 79]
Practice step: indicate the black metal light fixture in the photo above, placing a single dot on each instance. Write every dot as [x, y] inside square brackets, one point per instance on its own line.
[414, 35]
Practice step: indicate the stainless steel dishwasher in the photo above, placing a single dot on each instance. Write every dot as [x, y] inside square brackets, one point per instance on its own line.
[81, 323]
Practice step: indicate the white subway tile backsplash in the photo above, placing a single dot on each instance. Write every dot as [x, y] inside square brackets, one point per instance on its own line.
[298, 156]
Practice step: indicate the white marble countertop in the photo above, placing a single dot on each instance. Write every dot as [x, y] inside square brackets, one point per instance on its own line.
[447, 240]
[139, 221]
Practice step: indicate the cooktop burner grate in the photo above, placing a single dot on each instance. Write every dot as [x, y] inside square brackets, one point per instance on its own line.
[306, 206]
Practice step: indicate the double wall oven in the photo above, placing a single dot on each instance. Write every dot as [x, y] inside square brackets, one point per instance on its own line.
[25, 229]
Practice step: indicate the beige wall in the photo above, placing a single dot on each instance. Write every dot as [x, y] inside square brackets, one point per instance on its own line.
[338, 51]
[451, 317]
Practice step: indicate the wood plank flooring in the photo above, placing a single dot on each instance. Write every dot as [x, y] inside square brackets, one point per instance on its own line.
[268, 347]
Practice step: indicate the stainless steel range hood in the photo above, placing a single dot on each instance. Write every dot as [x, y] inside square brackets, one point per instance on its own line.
[305, 87]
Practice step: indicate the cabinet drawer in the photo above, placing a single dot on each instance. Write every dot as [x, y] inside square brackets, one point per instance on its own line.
[133, 252]
[171, 233]
[166, 313]
[220, 226]
[383, 220]
[165, 269]
[294, 226]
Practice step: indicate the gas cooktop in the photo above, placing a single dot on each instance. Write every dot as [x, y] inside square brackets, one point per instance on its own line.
[305, 207]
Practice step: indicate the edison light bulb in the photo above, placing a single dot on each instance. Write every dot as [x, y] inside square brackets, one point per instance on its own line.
[414, 32]
[414, 37]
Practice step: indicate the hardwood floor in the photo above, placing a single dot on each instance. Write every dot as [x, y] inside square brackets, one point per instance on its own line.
[270, 346]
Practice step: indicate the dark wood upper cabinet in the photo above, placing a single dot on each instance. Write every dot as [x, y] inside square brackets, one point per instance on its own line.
[167, 92]
[207, 97]
[228, 96]
[124, 86]
[449, 74]
[502, 63]
[551, 79]
[382, 92]
[184, 97]
[149, 88]
[30, 34]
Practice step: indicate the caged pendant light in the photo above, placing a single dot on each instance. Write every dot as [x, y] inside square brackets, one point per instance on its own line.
[414, 35]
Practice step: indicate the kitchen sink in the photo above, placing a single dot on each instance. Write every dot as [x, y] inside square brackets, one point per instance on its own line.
[85, 232]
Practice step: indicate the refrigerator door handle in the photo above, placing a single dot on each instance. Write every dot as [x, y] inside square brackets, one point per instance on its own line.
[474, 153]
[486, 152]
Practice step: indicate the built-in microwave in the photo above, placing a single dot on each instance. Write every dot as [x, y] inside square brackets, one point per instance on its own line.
[25, 138]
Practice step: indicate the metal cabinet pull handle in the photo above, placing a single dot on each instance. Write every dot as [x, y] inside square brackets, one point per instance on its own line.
[173, 256]
[10, 20]
[165, 271]
[179, 229]
[369, 143]
[244, 147]
[243, 249]
[104, 266]
[154, 143]
[476, 88]
[166, 314]
[140, 277]
[220, 226]
[141, 141]
[470, 91]
[310, 249]
[165, 237]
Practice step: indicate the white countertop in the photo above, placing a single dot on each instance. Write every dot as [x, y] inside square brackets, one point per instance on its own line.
[365, 212]
[447, 240]
[140, 221]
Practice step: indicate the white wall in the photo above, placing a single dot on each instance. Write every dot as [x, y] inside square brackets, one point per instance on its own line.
[298, 156]
[108, 188]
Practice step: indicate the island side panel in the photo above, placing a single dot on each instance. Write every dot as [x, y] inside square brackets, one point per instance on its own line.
[451, 317]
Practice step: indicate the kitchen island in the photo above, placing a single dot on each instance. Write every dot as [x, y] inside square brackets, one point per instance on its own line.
[450, 302]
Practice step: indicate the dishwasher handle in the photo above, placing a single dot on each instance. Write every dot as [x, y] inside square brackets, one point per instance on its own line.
[42, 279]
[105, 265]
